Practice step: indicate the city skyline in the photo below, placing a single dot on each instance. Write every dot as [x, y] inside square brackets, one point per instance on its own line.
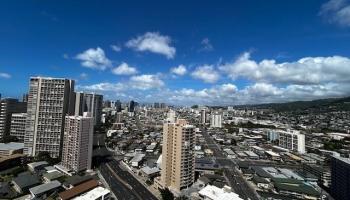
[214, 54]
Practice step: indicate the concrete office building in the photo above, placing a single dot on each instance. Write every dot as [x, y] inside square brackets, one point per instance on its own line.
[91, 103]
[131, 106]
[178, 159]
[18, 125]
[203, 117]
[77, 142]
[118, 106]
[292, 140]
[8, 106]
[216, 120]
[340, 178]
[49, 101]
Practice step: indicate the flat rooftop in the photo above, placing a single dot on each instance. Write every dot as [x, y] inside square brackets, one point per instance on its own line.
[11, 146]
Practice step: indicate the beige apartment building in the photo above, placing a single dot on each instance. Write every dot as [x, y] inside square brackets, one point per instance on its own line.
[48, 104]
[178, 160]
[77, 143]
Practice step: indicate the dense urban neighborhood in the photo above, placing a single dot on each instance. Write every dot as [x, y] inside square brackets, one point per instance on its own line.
[62, 144]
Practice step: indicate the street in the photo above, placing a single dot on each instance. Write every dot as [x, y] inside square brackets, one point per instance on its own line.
[123, 184]
[236, 181]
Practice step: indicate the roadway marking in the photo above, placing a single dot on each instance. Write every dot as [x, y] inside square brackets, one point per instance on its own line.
[123, 182]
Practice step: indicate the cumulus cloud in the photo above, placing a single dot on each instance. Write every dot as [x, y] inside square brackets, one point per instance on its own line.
[83, 76]
[308, 70]
[206, 45]
[5, 75]
[146, 81]
[257, 93]
[94, 59]
[179, 70]
[124, 69]
[337, 11]
[206, 73]
[116, 48]
[153, 42]
[103, 87]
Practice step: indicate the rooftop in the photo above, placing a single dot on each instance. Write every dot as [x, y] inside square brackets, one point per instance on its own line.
[11, 146]
[215, 193]
[44, 187]
[93, 194]
[26, 180]
[79, 189]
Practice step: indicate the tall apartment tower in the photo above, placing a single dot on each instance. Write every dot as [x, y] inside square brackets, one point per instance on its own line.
[178, 160]
[203, 116]
[340, 178]
[18, 125]
[8, 106]
[216, 120]
[49, 101]
[77, 142]
[91, 103]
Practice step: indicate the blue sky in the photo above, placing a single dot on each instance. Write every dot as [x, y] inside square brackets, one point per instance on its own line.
[180, 52]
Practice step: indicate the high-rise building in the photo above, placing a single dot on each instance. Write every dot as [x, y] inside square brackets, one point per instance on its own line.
[216, 120]
[340, 178]
[77, 143]
[118, 106]
[292, 140]
[25, 97]
[18, 125]
[171, 116]
[91, 103]
[162, 105]
[131, 106]
[178, 160]
[49, 101]
[203, 116]
[8, 106]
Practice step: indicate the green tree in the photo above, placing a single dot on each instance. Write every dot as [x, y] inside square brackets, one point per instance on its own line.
[166, 194]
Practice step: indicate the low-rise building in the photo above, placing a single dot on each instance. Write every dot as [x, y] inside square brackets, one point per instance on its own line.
[42, 191]
[211, 192]
[7, 149]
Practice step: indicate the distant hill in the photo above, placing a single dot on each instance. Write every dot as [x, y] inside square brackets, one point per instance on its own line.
[326, 105]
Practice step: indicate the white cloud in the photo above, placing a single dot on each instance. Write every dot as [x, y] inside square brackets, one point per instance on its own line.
[206, 45]
[104, 87]
[206, 73]
[146, 81]
[124, 69]
[308, 70]
[5, 75]
[84, 76]
[337, 11]
[179, 70]
[65, 56]
[153, 42]
[94, 59]
[116, 48]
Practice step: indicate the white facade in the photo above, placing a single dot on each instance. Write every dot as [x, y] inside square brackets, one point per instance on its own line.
[49, 101]
[292, 140]
[171, 116]
[211, 192]
[77, 143]
[216, 120]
